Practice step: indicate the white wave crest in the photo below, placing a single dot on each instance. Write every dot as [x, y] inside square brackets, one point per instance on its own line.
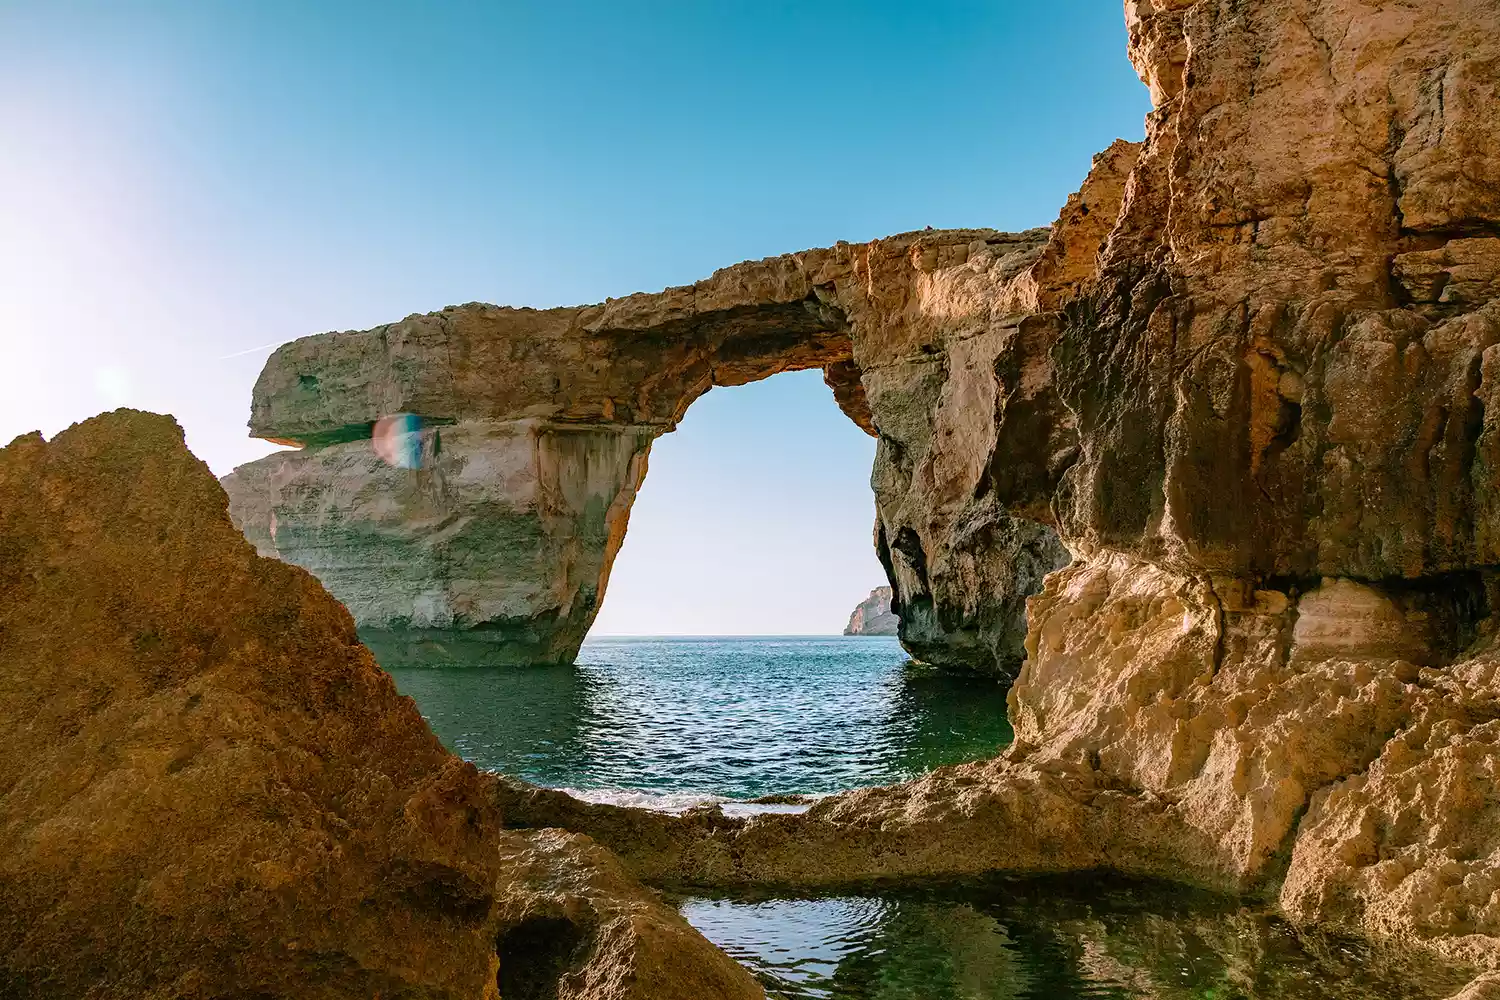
[680, 802]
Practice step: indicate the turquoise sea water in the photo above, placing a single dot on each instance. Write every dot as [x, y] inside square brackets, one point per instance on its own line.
[668, 721]
[732, 717]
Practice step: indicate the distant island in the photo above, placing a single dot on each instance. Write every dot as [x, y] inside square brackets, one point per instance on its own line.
[873, 616]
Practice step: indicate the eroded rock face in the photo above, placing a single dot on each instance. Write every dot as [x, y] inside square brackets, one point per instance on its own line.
[1282, 415]
[537, 426]
[1249, 380]
[207, 787]
[873, 615]
[498, 547]
[1408, 847]
[1259, 385]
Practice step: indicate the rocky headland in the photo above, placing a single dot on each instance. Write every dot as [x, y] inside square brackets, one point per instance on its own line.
[1209, 468]
[873, 615]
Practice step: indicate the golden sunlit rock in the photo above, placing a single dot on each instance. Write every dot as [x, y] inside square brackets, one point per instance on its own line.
[208, 788]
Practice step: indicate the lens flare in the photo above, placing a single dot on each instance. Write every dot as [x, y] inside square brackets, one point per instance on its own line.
[398, 440]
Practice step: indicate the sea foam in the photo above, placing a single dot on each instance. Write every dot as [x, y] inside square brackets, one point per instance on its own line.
[680, 802]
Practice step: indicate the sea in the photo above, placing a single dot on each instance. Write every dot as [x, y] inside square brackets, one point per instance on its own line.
[671, 722]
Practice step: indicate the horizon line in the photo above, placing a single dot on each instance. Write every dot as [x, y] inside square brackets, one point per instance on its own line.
[729, 635]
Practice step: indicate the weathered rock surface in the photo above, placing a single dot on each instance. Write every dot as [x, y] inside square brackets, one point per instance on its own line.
[537, 429]
[207, 787]
[496, 548]
[1156, 734]
[873, 615]
[1408, 847]
[537, 426]
[1281, 499]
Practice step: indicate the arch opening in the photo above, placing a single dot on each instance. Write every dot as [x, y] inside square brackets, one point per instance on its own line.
[754, 519]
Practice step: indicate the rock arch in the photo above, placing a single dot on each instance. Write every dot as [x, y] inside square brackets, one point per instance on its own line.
[537, 425]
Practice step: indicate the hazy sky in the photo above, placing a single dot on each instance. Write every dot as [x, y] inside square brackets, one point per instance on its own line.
[184, 182]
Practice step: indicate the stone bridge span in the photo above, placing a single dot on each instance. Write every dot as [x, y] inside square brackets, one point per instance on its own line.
[535, 426]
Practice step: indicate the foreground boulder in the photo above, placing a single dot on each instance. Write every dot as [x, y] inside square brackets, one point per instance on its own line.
[207, 787]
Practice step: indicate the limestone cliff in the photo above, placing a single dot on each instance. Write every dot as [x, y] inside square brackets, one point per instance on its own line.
[1231, 422]
[1248, 383]
[873, 615]
[537, 430]
[208, 789]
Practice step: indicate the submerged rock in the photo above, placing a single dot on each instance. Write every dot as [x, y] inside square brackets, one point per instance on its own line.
[873, 615]
[208, 788]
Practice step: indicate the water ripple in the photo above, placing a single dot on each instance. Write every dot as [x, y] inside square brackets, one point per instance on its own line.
[1050, 939]
[714, 717]
[669, 723]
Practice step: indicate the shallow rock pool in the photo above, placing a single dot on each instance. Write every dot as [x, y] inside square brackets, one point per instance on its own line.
[1049, 939]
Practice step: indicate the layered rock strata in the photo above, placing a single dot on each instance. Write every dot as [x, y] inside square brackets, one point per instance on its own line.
[873, 615]
[207, 787]
[1249, 380]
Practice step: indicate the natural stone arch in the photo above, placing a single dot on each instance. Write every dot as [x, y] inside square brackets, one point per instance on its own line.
[538, 424]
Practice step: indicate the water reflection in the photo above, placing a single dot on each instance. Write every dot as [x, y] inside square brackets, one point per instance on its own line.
[1050, 938]
[744, 717]
[737, 717]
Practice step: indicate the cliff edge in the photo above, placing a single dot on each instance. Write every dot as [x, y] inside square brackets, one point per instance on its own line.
[1252, 380]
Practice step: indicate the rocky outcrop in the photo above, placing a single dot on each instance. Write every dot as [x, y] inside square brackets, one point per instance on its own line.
[533, 430]
[207, 787]
[873, 615]
[496, 547]
[1230, 422]
[1407, 847]
[1280, 497]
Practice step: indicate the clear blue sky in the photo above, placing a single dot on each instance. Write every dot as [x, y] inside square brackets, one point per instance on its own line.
[184, 181]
